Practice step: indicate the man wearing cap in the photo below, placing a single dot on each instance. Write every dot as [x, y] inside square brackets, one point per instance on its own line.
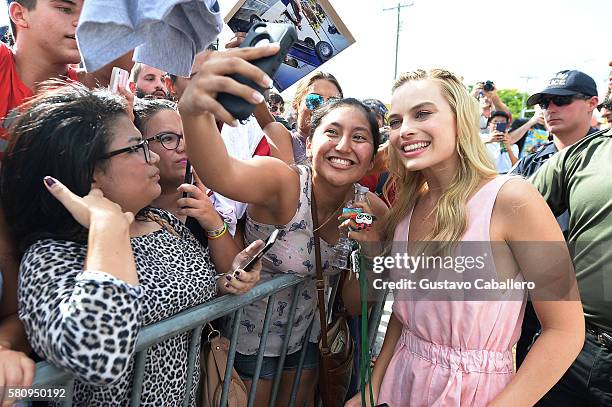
[567, 103]
[576, 186]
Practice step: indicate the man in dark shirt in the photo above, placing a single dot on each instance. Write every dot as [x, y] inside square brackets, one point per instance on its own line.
[577, 180]
[568, 122]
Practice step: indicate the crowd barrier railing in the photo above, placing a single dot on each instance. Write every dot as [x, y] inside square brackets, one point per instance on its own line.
[194, 320]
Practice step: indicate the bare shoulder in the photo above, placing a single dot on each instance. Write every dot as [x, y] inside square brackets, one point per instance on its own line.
[517, 193]
[520, 213]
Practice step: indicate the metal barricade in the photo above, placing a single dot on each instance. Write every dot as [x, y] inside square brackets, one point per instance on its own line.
[193, 320]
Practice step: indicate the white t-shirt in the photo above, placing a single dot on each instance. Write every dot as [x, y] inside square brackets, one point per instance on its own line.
[500, 159]
[241, 142]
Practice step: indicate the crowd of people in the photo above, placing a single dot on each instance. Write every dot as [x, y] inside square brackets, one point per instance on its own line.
[101, 235]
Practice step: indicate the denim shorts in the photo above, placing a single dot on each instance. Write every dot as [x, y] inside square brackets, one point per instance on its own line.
[245, 364]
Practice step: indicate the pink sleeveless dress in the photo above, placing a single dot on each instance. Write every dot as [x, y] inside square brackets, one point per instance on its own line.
[454, 353]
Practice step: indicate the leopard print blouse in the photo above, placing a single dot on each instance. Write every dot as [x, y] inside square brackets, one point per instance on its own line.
[88, 322]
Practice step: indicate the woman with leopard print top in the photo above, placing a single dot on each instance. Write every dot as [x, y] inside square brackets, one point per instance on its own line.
[93, 273]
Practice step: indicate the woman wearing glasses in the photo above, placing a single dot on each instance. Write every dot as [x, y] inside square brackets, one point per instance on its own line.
[341, 145]
[99, 262]
[160, 124]
[311, 93]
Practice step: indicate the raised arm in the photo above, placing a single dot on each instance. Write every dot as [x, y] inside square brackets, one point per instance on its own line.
[517, 134]
[101, 77]
[257, 181]
[279, 138]
[65, 288]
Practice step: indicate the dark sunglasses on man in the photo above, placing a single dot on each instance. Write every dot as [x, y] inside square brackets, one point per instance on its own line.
[560, 100]
[168, 140]
[314, 101]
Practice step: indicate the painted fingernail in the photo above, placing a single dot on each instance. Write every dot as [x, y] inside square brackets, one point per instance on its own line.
[229, 278]
[237, 273]
[227, 285]
[267, 81]
[49, 181]
[257, 97]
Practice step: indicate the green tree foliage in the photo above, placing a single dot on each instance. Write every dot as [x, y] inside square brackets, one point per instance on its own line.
[514, 100]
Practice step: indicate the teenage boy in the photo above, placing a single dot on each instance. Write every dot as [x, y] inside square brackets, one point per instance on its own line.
[45, 48]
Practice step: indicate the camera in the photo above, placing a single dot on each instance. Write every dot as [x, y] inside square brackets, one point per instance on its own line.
[488, 86]
[260, 34]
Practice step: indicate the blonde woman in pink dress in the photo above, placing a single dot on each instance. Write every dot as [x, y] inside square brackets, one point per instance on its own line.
[455, 352]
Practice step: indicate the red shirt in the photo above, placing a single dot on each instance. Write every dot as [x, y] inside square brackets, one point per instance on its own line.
[13, 92]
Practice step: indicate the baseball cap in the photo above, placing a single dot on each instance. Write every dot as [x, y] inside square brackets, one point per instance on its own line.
[565, 83]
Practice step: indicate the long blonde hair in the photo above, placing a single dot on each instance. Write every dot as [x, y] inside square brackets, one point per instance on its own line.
[450, 213]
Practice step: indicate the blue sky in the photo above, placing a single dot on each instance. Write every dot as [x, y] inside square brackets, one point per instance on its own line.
[478, 39]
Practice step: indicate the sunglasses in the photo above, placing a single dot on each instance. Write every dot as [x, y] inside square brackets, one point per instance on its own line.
[144, 144]
[314, 101]
[168, 140]
[561, 100]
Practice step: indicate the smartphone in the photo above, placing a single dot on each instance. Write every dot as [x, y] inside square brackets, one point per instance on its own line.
[119, 78]
[269, 242]
[188, 177]
[259, 35]
[501, 126]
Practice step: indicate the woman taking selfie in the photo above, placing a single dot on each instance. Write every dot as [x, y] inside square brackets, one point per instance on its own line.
[99, 263]
[341, 145]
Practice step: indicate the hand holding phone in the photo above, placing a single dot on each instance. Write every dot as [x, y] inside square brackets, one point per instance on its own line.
[269, 242]
[188, 177]
[260, 34]
[119, 78]
[501, 126]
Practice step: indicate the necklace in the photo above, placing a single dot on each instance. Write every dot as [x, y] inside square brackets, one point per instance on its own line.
[330, 217]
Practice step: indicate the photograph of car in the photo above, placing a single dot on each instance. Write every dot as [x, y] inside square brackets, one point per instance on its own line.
[321, 33]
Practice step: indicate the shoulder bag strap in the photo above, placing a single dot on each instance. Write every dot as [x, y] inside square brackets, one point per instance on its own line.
[320, 283]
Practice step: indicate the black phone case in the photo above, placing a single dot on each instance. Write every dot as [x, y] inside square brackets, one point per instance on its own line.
[188, 177]
[286, 36]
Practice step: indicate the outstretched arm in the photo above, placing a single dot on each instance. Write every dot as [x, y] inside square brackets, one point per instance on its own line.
[257, 181]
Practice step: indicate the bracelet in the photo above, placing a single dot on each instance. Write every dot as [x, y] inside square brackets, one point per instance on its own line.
[217, 233]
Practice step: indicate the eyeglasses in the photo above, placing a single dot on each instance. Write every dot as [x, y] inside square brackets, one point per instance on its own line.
[168, 140]
[144, 144]
[561, 100]
[314, 100]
